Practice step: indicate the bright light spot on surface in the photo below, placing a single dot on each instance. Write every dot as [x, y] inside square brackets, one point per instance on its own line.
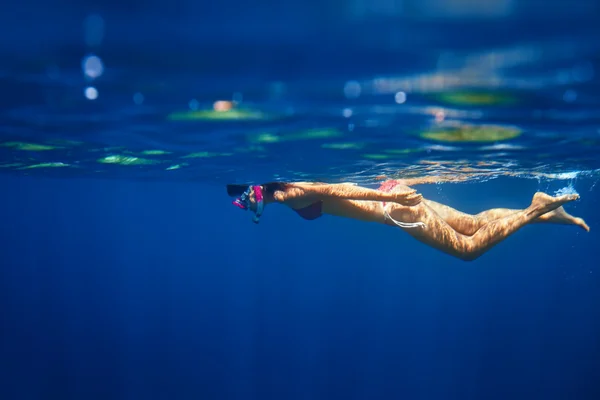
[194, 104]
[91, 93]
[138, 98]
[440, 116]
[570, 96]
[502, 146]
[437, 147]
[222, 105]
[400, 97]
[342, 146]
[352, 89]
[93, 27]
[347, 112]
[46, 165]
[92, 66]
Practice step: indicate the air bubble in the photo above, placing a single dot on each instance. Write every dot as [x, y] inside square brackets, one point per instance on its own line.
[91, 93]
[400, 97]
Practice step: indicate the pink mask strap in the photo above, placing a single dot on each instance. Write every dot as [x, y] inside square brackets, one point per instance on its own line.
[258, 193]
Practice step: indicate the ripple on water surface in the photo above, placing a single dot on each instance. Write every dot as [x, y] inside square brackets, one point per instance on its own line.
[476, 118]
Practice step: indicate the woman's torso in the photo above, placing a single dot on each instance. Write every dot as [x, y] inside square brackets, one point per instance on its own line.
[312, 207]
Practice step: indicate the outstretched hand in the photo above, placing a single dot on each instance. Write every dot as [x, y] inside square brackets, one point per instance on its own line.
[409, 198]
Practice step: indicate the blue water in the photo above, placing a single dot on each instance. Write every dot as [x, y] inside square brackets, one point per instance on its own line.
[125, 272]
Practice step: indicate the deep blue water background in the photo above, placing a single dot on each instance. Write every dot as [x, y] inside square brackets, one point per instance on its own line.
[128, 290]
[148, 284]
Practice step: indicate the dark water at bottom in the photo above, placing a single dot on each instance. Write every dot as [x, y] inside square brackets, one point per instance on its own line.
[124, 290]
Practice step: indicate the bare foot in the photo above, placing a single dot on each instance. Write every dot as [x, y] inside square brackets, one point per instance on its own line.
[581, 223]
[545, 203]
[560, 216]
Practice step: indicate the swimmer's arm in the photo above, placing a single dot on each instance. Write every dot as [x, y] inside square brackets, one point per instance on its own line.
[351, 192]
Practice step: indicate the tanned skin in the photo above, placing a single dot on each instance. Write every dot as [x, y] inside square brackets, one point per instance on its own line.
[461, 235]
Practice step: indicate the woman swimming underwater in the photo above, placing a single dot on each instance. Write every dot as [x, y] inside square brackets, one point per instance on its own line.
[394, 203]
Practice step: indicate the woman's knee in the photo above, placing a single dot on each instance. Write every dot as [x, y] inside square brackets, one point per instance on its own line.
[469, 256]
[467, 251]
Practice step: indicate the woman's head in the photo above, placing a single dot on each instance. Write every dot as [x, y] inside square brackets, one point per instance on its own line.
[252, 197]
